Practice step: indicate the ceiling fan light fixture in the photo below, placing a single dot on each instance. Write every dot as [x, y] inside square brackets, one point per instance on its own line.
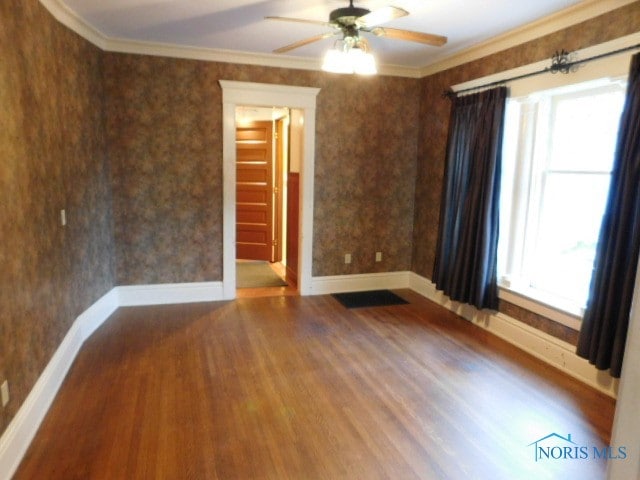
[362, 61]
[336, 61]
[351, 21]
[349, 56]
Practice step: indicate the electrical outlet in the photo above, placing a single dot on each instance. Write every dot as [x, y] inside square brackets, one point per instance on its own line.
[378, 256]
[347, 258]
[4, 392]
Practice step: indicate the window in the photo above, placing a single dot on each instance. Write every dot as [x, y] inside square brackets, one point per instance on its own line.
[558, 152]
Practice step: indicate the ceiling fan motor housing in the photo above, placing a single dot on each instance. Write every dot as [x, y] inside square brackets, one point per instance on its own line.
[337, 15]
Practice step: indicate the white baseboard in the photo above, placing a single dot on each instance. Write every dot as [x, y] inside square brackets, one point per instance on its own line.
[541, 345]
[166, 293]
[16, 438]
[96, 314]
[18, 435]
[359, 282]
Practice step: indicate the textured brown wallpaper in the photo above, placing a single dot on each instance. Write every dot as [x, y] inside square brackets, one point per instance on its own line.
[434, 115]
[164, 127]
[52, 156]
[366, 148]
[164, 131]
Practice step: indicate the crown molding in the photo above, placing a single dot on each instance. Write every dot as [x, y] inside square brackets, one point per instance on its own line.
[121, 45]
[558, 21]
[235, 56]
[74, 22]
[400, 71]
[615, 65]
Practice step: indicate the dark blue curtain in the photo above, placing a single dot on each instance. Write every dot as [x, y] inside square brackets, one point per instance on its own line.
[604, 327]
[466, 253]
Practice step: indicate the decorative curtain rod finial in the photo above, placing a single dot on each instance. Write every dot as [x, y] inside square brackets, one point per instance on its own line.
[563, 62]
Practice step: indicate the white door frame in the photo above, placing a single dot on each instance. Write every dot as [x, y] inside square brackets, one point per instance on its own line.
[266, 95]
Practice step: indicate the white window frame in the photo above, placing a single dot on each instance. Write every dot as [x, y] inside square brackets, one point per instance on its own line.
[525, 186]
[613, 66]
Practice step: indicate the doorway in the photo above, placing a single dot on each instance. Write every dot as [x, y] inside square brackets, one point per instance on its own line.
[266, 95]
[262, 158]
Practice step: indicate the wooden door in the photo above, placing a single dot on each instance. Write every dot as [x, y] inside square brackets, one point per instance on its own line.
[278, 195]
[254, 192]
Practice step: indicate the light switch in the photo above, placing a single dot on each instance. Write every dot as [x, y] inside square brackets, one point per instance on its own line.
[4, 393]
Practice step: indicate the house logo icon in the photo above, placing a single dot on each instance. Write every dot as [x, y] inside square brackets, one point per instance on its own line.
[557, 447]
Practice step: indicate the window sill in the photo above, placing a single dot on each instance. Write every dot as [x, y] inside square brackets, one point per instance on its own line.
[565, 315]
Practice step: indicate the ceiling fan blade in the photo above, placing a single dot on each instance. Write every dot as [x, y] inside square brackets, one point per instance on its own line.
[302, 43]
[299, 20]
[379, 16]
[426, 38]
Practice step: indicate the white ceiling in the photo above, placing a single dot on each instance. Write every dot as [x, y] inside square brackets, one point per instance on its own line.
[240, 26]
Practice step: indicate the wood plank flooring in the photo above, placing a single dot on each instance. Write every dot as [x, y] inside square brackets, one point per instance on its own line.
[301, 388]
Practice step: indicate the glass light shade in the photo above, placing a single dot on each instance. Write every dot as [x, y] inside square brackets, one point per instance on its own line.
[349, 60]
[337, 61]
[363, 62]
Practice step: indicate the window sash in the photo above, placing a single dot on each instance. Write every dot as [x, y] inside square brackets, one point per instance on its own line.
[526, 171]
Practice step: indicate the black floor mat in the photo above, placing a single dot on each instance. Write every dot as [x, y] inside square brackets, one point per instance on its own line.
[372, 298]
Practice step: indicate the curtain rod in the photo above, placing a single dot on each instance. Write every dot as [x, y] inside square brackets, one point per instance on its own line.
[560, 63]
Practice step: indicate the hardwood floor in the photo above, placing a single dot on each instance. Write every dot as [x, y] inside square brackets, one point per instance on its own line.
[301, 388]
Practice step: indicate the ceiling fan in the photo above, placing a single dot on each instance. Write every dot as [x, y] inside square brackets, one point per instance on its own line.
[351, 20]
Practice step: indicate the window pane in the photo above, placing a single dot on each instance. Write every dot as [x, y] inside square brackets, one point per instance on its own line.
[585, 130]
[569, 224]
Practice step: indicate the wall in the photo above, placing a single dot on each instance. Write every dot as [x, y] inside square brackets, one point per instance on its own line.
[165, 144]
[434, 116]
[52, 156]
[163, 123]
